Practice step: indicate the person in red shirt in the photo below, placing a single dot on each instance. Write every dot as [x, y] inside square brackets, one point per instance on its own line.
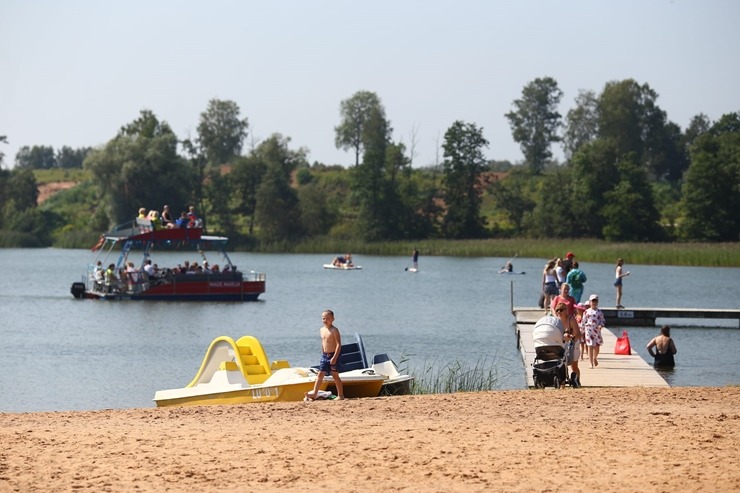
[566, 298]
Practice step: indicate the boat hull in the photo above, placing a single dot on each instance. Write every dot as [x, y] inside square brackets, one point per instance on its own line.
[211, 290]
[250, 395]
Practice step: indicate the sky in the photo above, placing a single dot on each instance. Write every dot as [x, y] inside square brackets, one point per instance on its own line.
[74, 72]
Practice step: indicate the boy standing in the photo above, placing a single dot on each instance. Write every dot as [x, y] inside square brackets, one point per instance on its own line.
[331, 347]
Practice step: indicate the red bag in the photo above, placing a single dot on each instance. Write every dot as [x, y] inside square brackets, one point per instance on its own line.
[623, 345]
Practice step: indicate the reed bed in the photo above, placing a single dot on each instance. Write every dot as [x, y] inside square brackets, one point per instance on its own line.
[445, 378]
[591, 250]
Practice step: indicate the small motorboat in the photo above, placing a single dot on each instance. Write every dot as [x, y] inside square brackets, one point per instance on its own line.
[238, 372]
[354, 358]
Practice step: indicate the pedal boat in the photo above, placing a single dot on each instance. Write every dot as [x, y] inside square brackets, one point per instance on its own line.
[239, 373]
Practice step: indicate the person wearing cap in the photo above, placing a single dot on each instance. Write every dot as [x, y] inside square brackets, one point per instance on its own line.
[593, 323]
[568, 262]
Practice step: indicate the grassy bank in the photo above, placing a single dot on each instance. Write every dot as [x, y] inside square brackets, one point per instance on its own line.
[682, 254]
[686, 254]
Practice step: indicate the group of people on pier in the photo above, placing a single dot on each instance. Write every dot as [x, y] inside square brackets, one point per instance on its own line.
[582, 323]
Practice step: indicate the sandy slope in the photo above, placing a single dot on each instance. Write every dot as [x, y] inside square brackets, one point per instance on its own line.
[681, 439]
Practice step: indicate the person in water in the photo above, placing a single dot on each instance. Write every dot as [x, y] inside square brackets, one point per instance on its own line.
[662, 348]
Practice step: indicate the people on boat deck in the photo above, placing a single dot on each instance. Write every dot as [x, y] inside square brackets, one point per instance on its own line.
[193, 220]
[182, 221]
[154, 218]
[167, 221]
[142, 213]
[331, 347]
[132, 275]
[149, 268]
[99, 275]
[111, 281]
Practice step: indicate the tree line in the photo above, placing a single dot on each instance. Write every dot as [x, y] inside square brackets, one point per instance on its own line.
[629, 174]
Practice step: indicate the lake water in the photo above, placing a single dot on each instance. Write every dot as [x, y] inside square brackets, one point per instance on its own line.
[58, 353]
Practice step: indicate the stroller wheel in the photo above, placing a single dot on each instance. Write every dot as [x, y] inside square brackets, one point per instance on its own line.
[556, 382]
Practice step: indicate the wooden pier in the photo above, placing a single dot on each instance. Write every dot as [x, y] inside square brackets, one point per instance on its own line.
[613, 370]
[638, 317]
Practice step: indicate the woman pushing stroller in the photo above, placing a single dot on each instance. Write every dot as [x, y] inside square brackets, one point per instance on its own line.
[556, 345]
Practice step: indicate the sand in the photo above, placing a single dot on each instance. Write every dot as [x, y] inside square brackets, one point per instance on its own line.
[634, 439]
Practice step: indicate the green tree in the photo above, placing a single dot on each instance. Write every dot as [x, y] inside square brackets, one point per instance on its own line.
[218, 192]
[68, 158]
[22, 189]
[3, 140]
[198, 165]
[36, 157]
[711, 189]
[18, 200]
[221, 132]
[594, 172]
[245, 178]
[463, 164]
[629, 211]
[553, 214]
[277, 210]
[318, 213]
[371, 181]
[699, 124]
[630, 116]
[513, 196]
[355, 113]
[581, 123]
[535, 121]
[140, 167]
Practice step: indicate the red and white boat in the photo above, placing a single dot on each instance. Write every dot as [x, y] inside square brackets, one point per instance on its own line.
[166, 284]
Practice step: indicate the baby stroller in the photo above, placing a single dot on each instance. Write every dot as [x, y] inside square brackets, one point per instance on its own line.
[549, 366]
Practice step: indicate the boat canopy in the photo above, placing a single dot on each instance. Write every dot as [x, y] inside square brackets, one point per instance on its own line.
[140, 234]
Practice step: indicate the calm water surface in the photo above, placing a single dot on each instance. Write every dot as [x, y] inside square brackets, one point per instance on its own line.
[58, 353]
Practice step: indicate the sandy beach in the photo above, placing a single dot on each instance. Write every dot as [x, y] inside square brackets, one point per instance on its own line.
[633, 439]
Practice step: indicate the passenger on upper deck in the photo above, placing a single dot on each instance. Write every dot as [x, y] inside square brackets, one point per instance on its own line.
[182, 221]
[167, 221]
[155, 219]
[194, 220]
